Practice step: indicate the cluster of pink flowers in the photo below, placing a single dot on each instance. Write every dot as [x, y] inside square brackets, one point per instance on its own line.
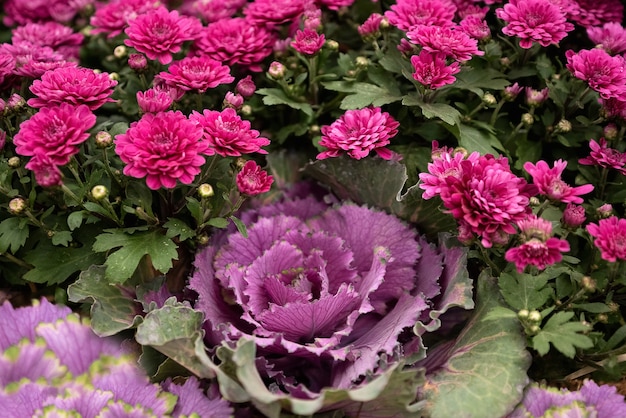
[604, 73]
[197, 74]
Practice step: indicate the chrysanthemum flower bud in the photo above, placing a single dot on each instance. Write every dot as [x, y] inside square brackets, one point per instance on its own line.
[536, 97]
[86, 30]
[361, 62]
[17, 205]
[314, 129]
[246, 110]
[276, 70]
[605, 210]
[602, 318]
[573, 216]
[114, 76]
[523, 314]
[534, 316]
[232, 100]
[205, 190]
[246, 87]
[104, 139]
[534, 329]
[610, 132]
[563, 126]
[15, 103]
[120, 51]
[240, 162]
[331, 44]
[99, 192]
[138, 62]
[588, 284]
[14, 162]
[384, 24]
[489, 99]
[528, 119]
[202, 239]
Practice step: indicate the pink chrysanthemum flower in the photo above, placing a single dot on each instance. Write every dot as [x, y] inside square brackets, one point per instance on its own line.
[47, 173]
[534, 21]
[60, 38]
[536, 97]
[233, 100]
[357, 132]
[613, 108]
[197, 73]
[604, 73]
[450, 41]
[407, 13]
[446, 162]
[273, 13]
[22, 12]
[227, 134]
[213, 10]
[164, 148]
[253, 180]
[154, 100]
[610, 238]
[312, 16]
[160, 33]
[487, 199]
[476, 27]
[236, 41]
[371, 26]
[308, 42]
[611, 37]
[467, 9]
[74, 85]
[550, 184]
[55, 131]
[246, 86]
[603, 156]
[538, 247]
[111, 18]
[573, 216]
[432, 71]
[596, 13]
[27, 57]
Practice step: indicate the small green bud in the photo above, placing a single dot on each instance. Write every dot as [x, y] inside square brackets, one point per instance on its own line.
[314, 129]
[528, 119]
[99, 192]
[246, 110]
[588, 284]
[489, 99]
[523, 314]
[602, 318]
[14, 162]
[120, 51]
[332, 45]
[610, 132]
[239, 163]
[205, 190]
[114, 76]
[277, 70]
[17, 205]
[534, 201]
[534, 329]
[384, 24]
[563, 126]
[534, 316]
[104, 139]
[202, 239]
[361, 62]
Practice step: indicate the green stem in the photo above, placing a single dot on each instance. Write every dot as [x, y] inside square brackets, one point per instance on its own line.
[496, 111]
[17, 261]
[486, 259]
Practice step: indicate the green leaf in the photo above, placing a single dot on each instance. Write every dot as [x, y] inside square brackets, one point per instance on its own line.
[475, 80]
[365, 94]
[13, 234]
[177, 228]
[525, 291]
[473, 139]
[218, 222]
[564, 335]
[277, 96]
[112, 310]
[132, 248]
[443, 111]
[75, 219]
[61, 238]
[485, 373]
[241, 227]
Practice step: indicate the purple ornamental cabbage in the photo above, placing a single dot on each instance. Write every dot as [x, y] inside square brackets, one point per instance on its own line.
[328, 293]
[590, 401]
[52, 364]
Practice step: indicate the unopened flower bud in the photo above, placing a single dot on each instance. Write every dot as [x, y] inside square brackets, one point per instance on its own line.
[17, 205]
[104, 139]
[240, 162]
[137, 62]
[246, 87]
[528, 119]
[384, 24]
[114, 76]
[573, 216]
[610, 132]
[602, 318]
[361, 62]
[86, 30]
[314, 129]
[523, 314]
[15, 103]
[205, 190]
[99, 192]
[14, 162]
[536, 97]
[588, 284]
[331, 44]
[276, 70]
[505, 61]
[534, 329]
[605, 210]
[534, 201]
[489, 99]
[534, 316]
[462, 151]
[246, 110]
[563, 126]
[120, 51]
[202, 239]
[232, 100]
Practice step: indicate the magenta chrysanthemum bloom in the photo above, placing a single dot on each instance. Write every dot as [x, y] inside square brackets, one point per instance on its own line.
[273, 13]
[450, 41]
[357, 132]
[611, 37]
[154, 100]
[596, 13]
[227, 134]
[613, 108]
[335, 4]
[47, 173]
[536, 97]
[405, 14]
[253, 180]
[324, 291]
[610, 238]
[573, 216]
[111, 18]
[55, 132]
[22, 12]
[308, 41]
[539, 248]
[246, 86]
[197, 74]
[488, 199]
[160, 33]
[534, 21]
[604, 73]
[476, 27]
[371, 26]
[550, 184]
[163, 148]
[27, 57]
[60, 38]
[74, 85]
[236, 41]
[446, 162]
[603, 156]
[213, 10]
[432, 71]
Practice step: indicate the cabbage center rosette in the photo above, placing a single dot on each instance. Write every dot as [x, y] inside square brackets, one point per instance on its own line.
[326, 292]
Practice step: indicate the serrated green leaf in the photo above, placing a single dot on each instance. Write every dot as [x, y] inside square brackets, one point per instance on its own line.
[564, 335]
[75, 220]
[62, 238]
[96, 208]
[13, 234]
[241, 227]
[524, 291]
[132, 248]
[218, 222]
[475, 80]
[442, 111]
[593, 307]
[473, 139]
[277, 96]
[177, 228]
[485, 373]
[111, 309]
